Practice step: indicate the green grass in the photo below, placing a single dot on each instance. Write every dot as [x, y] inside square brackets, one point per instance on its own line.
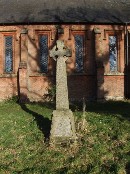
[103, 144]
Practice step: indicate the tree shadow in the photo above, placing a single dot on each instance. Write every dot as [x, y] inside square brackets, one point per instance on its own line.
[118, 108]
[43, 123]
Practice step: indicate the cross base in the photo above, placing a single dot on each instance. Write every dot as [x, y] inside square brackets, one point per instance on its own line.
[63, 128]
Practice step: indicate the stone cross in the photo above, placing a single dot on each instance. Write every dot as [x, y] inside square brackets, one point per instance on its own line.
[60, 53]
[63, 128]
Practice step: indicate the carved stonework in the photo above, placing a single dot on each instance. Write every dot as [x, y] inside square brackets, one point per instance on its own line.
[63, 128]
[60, 53]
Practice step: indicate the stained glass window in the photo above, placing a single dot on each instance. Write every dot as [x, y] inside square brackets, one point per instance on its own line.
[43, 42]
[79, 52]
[8, 54]
[113, 53]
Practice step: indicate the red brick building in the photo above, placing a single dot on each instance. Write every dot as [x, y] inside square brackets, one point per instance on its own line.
[96, 31]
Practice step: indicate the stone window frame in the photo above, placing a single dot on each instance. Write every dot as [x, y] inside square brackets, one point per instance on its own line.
[49, 34]
[83, 33]
[118, 34]
[13, 34]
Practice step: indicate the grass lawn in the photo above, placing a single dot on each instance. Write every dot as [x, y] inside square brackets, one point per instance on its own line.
[103, 146]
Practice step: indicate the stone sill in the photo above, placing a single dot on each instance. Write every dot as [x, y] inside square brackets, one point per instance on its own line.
[40, 75]
[7, 75]
[77, 74]
[114, 74]
[49, 74]
[116, 98]
[80, 74]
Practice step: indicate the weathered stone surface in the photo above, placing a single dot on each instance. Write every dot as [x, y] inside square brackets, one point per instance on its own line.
[60, 54]
[60, 50]
[63, 128]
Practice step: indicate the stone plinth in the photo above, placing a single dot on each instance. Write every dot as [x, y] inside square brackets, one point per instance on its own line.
[63, 127]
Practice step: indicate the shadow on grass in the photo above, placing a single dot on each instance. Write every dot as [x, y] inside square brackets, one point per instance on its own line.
[128, 168]
[48, 105]
[120, 109]
[44, 124]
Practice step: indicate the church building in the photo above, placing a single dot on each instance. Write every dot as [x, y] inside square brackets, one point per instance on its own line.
[96, 31]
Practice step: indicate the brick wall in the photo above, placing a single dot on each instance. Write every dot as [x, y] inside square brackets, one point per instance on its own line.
[8, 87]
[96, 81]
[82, 86]
[114, 87]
